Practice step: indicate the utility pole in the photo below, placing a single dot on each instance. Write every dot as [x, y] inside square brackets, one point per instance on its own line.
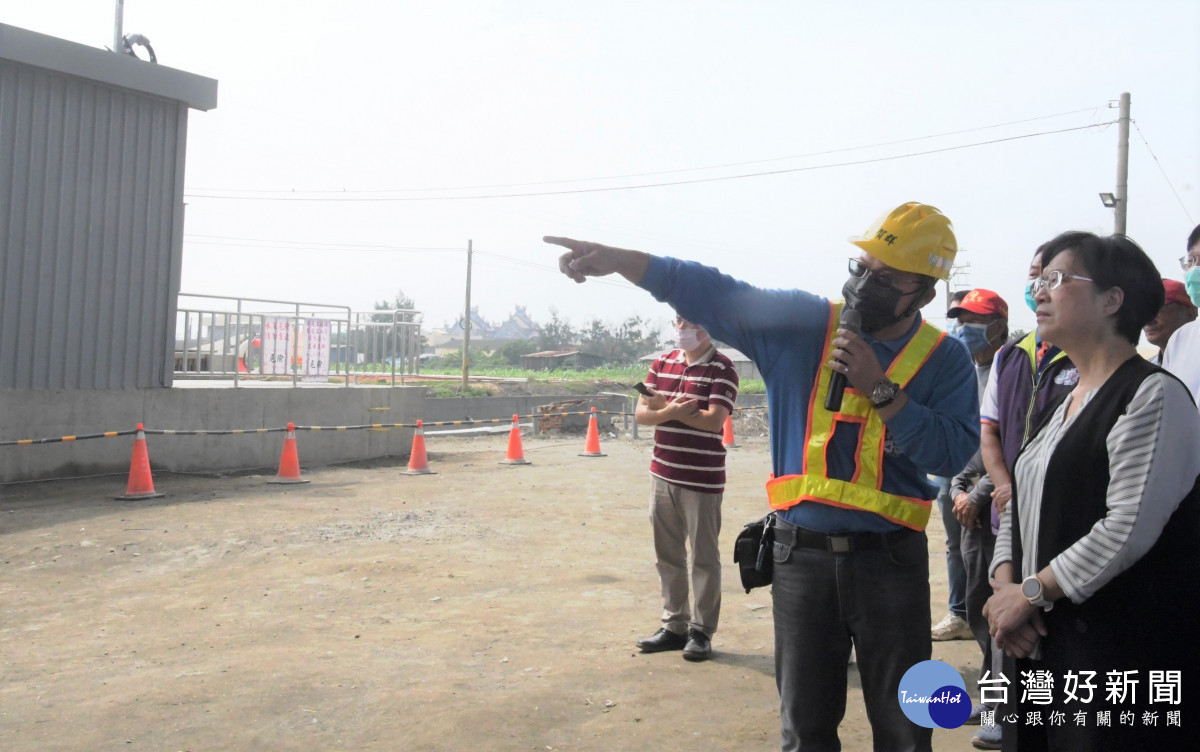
[118, 28]
[1122, 204]
[467, 324]
[959, 276]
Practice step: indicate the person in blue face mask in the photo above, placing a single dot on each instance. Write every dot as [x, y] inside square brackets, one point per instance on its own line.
[953, 625]
[983, 329]
[1181, 356]
[981, 324]
[951, 322]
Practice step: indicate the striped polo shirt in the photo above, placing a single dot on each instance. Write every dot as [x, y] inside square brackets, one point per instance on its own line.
[686, 456]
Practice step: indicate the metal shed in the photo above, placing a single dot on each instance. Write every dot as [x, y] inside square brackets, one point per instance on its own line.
[92, 147]
[552, 360]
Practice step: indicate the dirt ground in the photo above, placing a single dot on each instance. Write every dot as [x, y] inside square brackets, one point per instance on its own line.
[484, 607]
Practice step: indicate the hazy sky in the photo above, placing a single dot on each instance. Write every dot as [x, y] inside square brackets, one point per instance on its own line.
[393, 126]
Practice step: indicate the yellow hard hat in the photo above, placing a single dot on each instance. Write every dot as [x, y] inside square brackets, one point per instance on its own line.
[914, 238]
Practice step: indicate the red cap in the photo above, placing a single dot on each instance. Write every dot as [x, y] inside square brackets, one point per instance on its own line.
[1177, 293]
[981, 301]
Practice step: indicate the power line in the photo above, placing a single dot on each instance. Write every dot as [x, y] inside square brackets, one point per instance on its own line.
[660, 172]
[295, 245]
[1164, 172]
[290, 245]
[387, 199]
[553, 269]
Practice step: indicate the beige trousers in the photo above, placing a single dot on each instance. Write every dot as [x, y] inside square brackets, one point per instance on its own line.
[682, 519]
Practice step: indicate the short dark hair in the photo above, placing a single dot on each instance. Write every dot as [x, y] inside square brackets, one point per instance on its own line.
[1116, 261]
[1193, 239]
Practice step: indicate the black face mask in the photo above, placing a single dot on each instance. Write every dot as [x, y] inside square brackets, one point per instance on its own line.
[876, 303]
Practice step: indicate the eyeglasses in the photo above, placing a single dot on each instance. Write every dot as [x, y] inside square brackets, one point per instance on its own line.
[1187, 262]
[860, 270]
[1053, 280]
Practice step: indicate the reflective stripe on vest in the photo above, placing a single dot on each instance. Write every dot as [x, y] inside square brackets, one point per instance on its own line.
[862, 491]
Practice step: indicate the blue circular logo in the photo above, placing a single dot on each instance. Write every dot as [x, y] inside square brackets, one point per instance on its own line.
[933, 693]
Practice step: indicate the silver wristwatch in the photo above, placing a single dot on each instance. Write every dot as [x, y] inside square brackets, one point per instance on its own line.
[884, 393]
[1035, 593]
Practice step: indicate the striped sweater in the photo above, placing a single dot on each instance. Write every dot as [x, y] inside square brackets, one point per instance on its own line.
[685, 456]
[1153, 464]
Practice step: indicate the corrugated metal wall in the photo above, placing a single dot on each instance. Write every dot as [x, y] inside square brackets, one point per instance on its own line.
[91, 218]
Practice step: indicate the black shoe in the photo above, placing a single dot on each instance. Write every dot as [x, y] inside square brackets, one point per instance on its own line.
[698, 647]
[663, 639]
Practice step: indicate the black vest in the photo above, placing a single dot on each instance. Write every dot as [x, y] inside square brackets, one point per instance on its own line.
[1154, 594]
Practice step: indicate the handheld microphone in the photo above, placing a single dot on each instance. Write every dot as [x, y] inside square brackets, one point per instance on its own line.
[852, 321]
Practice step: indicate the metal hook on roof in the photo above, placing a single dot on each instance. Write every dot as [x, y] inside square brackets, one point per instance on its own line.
[129, 40]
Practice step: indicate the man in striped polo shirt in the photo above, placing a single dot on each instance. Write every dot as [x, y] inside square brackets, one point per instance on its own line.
[692, 391]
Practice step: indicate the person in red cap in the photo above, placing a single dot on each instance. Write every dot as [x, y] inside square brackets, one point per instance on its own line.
[982, 324]
[983, 327]
[981, 318]
[1176, 311]
[953, 625]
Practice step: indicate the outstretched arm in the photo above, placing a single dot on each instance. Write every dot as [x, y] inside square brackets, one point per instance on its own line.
[584, 259]
[756, 321]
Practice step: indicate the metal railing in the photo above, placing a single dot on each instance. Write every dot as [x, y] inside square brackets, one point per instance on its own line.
[226, 340]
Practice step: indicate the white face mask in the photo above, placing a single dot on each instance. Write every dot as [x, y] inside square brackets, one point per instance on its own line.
[689, 339]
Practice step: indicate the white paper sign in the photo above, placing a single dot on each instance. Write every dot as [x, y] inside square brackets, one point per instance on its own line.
[277, 345]
[316, 349]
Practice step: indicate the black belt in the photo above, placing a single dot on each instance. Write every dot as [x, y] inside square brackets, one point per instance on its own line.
[838, 543]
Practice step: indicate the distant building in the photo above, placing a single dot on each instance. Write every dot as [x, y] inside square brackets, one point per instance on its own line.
[518, 326]
[480, 328]
[485, 336]
[554, 360]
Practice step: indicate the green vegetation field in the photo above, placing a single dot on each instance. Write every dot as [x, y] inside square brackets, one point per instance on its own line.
[575, 381]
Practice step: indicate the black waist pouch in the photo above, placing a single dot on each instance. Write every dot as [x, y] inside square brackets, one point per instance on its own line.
[752, 552]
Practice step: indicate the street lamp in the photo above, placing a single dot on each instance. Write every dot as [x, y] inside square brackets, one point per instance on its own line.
[1108, 200]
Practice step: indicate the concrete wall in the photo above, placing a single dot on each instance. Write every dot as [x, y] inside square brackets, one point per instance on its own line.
[36, 414]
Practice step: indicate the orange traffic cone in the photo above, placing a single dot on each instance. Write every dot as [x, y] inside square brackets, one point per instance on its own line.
[418, 463]
[515, 455]
[591, 447]
[141, 483]
[242, 365]
[727, 439]
[289, 461]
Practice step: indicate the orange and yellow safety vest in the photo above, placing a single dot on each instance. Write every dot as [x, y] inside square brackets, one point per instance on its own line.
[862, 491]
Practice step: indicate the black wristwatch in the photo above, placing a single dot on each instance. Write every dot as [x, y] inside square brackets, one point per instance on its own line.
[1035, 593]
[884, 393]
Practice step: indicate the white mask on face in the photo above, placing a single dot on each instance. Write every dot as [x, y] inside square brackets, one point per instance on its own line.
[689, 339]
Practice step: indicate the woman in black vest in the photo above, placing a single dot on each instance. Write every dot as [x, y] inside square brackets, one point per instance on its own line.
[1098, 557]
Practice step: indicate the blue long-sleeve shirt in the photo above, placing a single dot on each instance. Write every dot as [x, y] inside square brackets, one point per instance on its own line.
[783, 332]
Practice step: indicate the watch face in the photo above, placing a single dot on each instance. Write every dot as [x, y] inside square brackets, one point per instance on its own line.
[1031, 587]
[884, 390]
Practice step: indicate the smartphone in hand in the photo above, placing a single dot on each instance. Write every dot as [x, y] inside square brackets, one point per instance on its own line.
[642, 389]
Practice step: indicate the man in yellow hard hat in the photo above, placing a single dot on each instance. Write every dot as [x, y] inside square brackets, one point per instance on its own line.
[850, 484]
